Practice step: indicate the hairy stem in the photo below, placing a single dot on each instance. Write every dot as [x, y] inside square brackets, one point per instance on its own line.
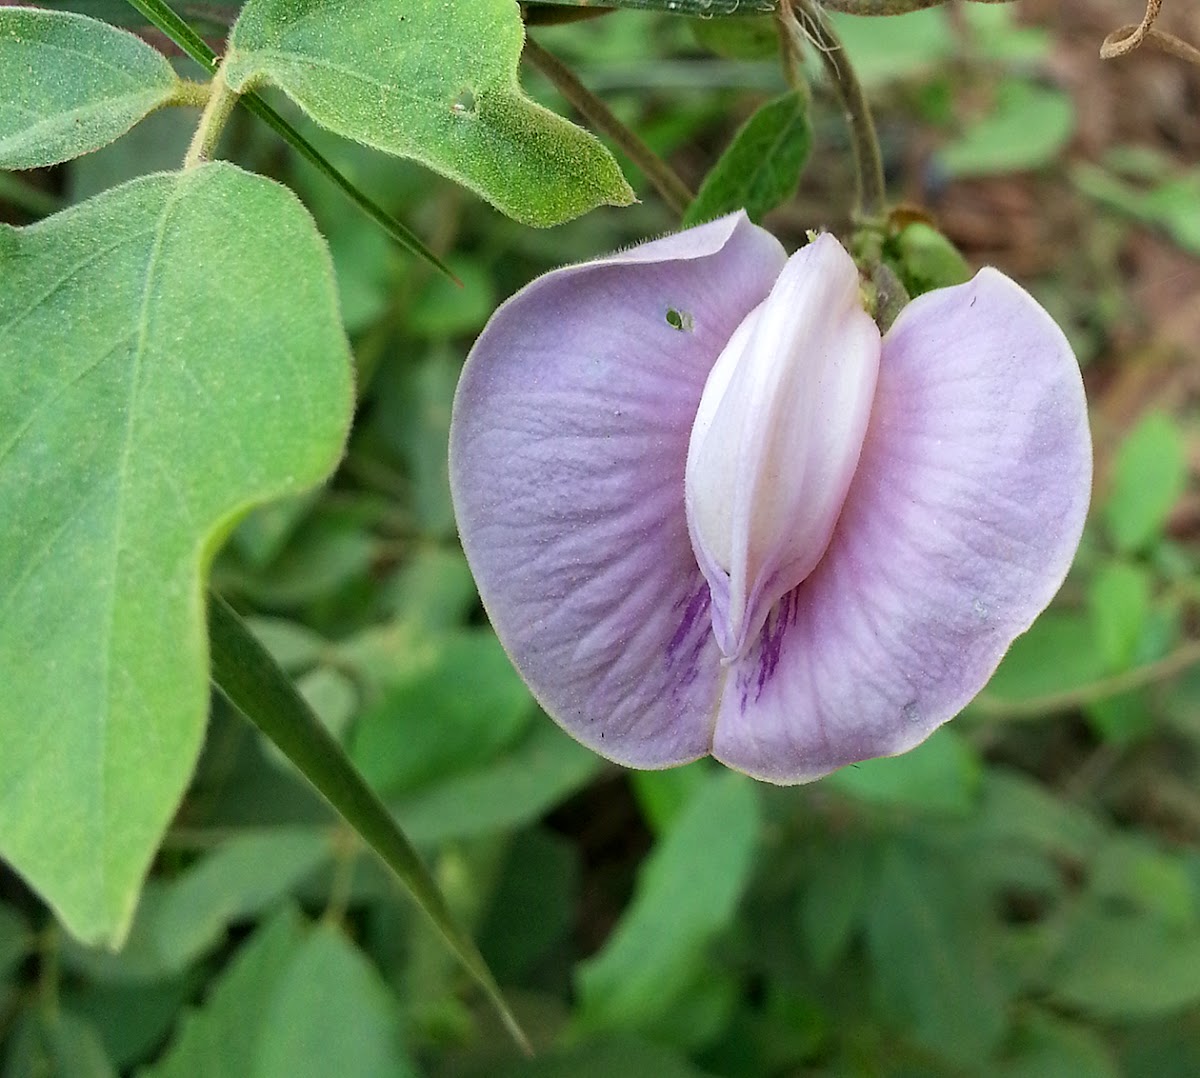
[803, 18]
[189, 94]
[662, 177]
[213, 119]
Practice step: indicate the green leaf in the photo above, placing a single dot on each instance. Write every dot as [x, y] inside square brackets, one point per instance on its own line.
[610, 1057]
[940, 775]
[835, 900]
[1169, 204]
[662, 795]
[539, 772]
[414, 402]
[1046, 1046]
[443, 309]
[331, 1014]
[1132, 872]
[1149, 475]
[761, 168]
[158, 376]
[1119, 603]
[251, 681]
[687, 892]
[1118, 965]
[1028, 127]
[738, 39]
[243, 877]
[1056, 655]
[541, 880]
[181, 919]
[71, 85]
[458, 714]
[435, 80]
[57, 1044]
[934, 971]
[1167, 1048]
[1017, 810]
[133, 1021]
[904, 47]
[298, 1001]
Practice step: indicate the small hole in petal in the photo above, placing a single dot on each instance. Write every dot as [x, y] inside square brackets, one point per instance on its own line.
[680, 320]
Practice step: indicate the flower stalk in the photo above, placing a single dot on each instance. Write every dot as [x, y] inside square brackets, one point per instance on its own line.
[802, 18]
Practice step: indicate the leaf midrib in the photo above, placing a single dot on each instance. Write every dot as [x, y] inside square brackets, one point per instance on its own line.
[122, 472]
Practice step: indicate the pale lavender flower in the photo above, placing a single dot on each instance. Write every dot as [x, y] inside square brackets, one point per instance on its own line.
[710, 511]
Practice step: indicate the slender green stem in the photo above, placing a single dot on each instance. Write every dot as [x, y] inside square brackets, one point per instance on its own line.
[803, 17]
[249, 678]
[675, 193]
[213, 119]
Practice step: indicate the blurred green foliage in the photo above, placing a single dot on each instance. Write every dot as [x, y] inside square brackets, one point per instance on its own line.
[1019, 897]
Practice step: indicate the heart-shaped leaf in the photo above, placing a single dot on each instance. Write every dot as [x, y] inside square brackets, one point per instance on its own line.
[158, 376]
[435, 80]
[70, 84]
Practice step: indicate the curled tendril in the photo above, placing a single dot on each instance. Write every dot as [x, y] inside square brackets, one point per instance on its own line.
[1127, 38]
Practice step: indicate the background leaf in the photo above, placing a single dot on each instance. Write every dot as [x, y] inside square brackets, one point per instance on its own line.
[71, 85]
[1148, 477]
[940, 775]
[762, 165]
[297, 1002]
[1026, 129]
[157, 377]
[431, 80]
[453, 716]
[933, 970]
[687, 891]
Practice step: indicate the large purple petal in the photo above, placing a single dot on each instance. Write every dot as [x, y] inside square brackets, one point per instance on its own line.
[567, 453]
[959, 527]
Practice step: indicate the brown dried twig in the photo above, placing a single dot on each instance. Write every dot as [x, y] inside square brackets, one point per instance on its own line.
[1124, 40]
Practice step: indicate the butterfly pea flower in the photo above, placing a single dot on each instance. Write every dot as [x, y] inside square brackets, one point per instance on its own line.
[711, 511]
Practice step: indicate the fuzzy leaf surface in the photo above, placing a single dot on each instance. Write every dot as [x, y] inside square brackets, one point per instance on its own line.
[70, 84]
[434, 80]
[158, 377]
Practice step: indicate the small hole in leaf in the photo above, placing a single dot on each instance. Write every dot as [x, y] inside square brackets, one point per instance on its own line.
[464, 103]
[679, 320]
